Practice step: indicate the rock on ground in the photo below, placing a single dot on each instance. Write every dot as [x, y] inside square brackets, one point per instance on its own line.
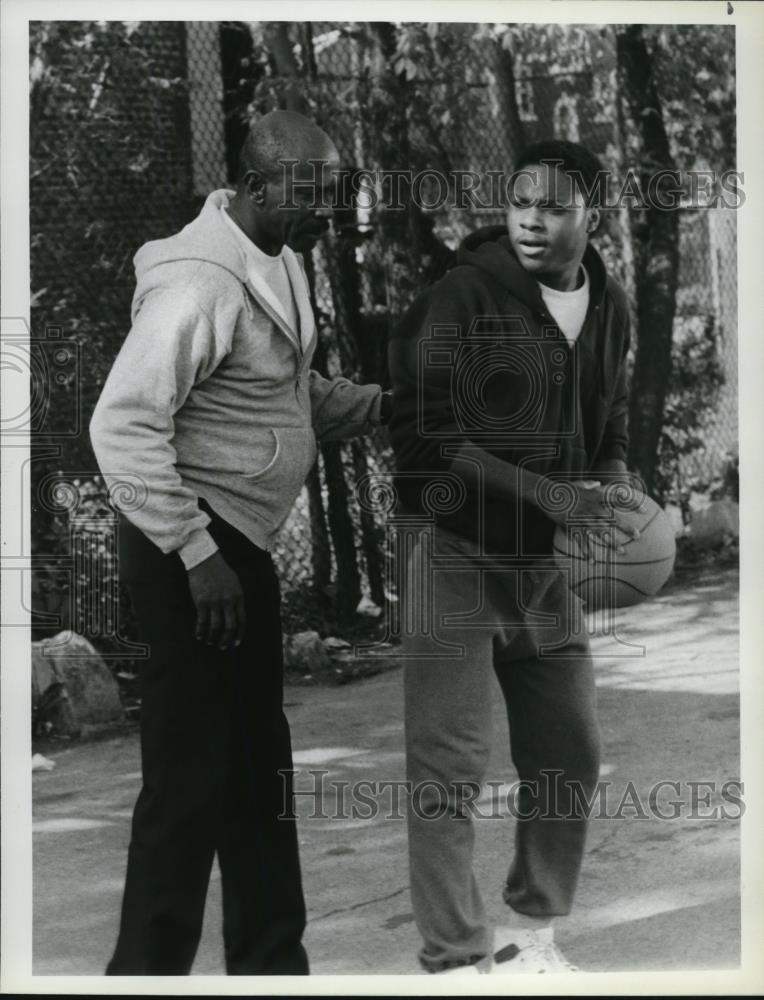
[87, 692]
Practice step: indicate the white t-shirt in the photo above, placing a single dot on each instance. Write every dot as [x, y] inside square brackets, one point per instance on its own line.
[271, 270]
[568, 308]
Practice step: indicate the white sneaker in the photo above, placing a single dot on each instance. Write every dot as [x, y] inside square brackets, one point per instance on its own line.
[530, 952]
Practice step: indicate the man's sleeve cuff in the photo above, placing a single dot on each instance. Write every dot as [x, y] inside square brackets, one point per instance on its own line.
[199, 546]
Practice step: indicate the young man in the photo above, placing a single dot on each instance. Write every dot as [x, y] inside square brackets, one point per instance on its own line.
[212, 406]
[510, 385]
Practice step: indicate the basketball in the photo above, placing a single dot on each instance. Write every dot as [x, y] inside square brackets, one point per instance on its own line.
[613, 580]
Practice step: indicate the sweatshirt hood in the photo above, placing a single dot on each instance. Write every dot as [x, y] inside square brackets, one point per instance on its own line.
[205, 238]
[208, 239]
[490, 250]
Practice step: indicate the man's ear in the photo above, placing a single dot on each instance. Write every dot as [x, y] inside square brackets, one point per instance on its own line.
[593, 220]
[254, 185]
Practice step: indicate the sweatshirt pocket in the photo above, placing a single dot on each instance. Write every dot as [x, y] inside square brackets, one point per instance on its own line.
[271, 446]
[278, 464]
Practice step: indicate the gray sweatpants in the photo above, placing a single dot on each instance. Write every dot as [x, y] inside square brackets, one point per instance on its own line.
[526, 627]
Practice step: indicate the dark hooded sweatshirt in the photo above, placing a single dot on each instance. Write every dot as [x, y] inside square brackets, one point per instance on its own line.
[479, 359]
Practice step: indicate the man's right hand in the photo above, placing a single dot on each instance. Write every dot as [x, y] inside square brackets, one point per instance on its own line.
[219, 601]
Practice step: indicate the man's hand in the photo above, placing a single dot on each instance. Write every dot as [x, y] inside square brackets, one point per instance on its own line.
[597, 511]
[219, 600]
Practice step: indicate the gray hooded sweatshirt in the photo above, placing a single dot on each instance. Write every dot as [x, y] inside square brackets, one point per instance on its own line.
[212, 394]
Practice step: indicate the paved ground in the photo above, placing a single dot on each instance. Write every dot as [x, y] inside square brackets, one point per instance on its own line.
[654, 894]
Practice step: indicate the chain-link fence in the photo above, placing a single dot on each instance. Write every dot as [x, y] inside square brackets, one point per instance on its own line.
[134, 123]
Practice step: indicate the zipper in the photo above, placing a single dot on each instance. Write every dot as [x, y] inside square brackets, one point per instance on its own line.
[248, 296]
[295, 341]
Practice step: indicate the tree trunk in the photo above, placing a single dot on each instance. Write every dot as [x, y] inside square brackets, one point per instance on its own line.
[343, 535]
[414, 257]
[356, 350]
[656, 246]
[321, 544]
[319, 533]
[240, 74]
[280, 46]
[372, 538]
[511, 134]
[340, 521]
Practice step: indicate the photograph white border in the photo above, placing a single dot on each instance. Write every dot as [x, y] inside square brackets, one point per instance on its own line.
[16, 909]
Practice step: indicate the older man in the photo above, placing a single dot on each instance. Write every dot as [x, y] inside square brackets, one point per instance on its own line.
[213, 405]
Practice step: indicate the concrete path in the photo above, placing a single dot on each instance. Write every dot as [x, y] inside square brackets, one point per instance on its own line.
[654, 893]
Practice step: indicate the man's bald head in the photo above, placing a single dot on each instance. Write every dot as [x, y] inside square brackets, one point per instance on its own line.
[286, 183]
[280, 136]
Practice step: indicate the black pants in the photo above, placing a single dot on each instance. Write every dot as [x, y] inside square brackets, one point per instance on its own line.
[216, 763]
